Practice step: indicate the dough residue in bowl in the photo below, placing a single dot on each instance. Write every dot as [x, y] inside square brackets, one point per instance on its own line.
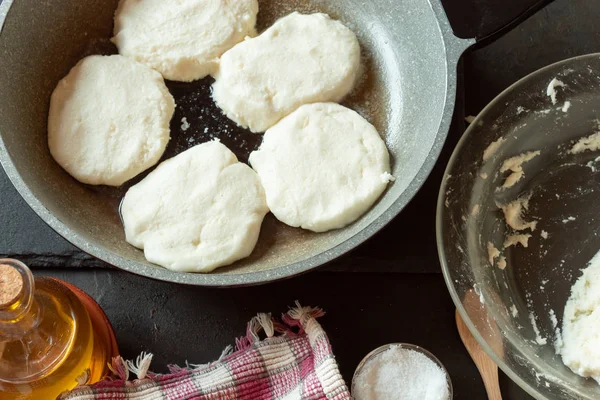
[515, 165]
[551, 90]
[493, 253]
[513, 214]
[589, 143]
[513, 240]
[492, 148]
[580, 345]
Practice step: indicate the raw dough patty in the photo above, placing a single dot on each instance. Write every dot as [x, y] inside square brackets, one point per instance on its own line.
[109, 120]
[197, 211]
[580, 347]
[301, 59]
[183, 40]
[322, 167]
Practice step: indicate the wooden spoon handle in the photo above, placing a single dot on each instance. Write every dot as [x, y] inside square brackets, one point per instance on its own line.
[487, 368]
[489, 374]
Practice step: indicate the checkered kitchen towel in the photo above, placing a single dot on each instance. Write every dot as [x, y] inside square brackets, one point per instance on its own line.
[294, 362]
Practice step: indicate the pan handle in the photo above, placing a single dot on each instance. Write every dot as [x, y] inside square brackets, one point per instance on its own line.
[488, 20]
[487, 38]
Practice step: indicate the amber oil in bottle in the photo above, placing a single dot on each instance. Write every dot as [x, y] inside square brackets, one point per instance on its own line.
[47, 340]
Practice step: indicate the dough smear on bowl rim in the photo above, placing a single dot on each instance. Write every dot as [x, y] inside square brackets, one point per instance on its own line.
[109, 120]
[183, 40]
[197, 211]
[301, 59]
[322, 167]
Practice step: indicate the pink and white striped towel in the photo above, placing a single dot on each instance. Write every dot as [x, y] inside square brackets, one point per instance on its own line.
[294, 362]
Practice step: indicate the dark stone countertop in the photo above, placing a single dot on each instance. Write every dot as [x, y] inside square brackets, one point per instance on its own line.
[364, 310]
[388, 290]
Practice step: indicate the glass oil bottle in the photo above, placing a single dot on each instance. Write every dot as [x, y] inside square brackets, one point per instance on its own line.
[48, 344]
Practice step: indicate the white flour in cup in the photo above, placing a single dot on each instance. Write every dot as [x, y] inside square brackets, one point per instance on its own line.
[401, 374]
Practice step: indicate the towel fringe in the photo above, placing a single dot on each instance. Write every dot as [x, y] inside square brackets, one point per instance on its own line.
[295, 317]
[118, 366]
[142, 364]
[195, 367]
[242, 343]
[262, 322]
[300, 313]
[226, 352]
[266, 322]
[176, 369]
[281, 328]
[252, 330]
[84, 377]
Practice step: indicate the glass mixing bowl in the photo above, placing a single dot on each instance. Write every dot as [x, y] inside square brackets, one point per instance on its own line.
[516, 313]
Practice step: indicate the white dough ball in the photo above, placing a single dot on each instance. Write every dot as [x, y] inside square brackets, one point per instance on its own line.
[183, 40]
[322, 167]
[109, 120]
[197, 211]
[301, 59]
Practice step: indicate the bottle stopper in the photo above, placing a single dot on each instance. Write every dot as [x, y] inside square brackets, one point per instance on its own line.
[11, 284]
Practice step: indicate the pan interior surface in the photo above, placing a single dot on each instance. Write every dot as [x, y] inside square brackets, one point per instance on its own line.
[517, 313]
[402, 91]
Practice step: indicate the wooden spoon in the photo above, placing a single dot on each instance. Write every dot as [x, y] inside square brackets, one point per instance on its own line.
[487, 368]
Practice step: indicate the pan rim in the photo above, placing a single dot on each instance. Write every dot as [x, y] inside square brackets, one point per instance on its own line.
[453, 48]
[441, 214]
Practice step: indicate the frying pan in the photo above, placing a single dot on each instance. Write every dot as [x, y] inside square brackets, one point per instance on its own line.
[410, 56]
[517, 310]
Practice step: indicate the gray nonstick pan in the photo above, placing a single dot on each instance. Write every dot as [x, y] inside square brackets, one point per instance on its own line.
[410, 56]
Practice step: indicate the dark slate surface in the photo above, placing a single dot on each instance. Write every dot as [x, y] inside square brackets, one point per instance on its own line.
[365, 309]
[564, 29]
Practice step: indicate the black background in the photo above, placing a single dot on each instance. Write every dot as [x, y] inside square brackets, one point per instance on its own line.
[389, 290]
